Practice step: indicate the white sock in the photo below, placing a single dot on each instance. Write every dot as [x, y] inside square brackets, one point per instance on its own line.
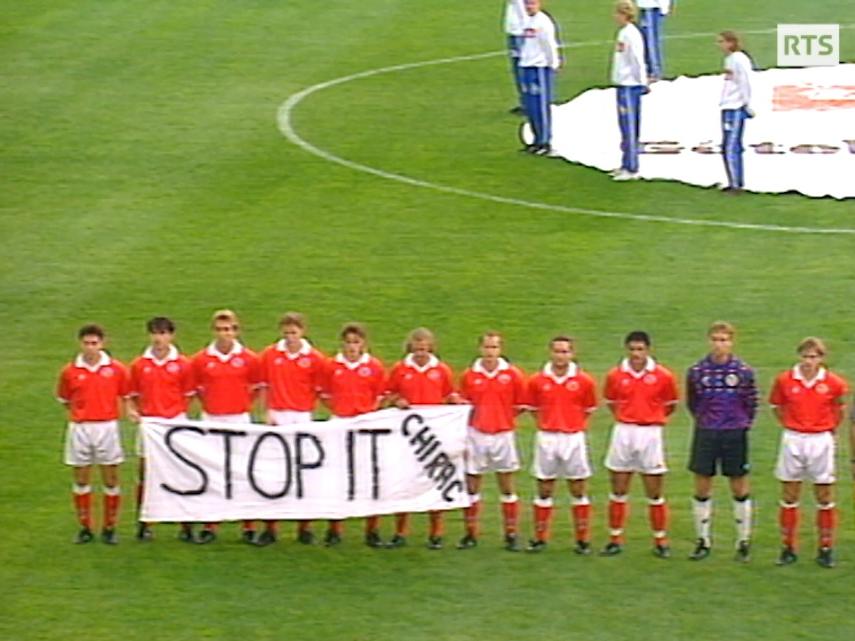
[742, 513]
[702, 517]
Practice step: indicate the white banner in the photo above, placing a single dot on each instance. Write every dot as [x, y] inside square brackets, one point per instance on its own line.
[802, 138]
[379, 463]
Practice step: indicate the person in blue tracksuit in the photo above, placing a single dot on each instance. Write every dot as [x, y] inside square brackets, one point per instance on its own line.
[629, 75]
[651, 23]
[735, 107]
[539, 59]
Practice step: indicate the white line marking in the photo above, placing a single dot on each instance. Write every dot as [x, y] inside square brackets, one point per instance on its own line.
[285, 111]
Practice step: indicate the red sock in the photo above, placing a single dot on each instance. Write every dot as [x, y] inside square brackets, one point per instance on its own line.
[402, 524]
[304, 526]
[336, 527]
[826, 523]
[248, 525]
[470, 516]
[437, 523]
[372, 524]
[510, 514]
[542, 519]
[582, 520]
[618, 512]
[83, 508]
[658, 513]
[111, 509]
[211, 527]
[272, 526]
[788, 518]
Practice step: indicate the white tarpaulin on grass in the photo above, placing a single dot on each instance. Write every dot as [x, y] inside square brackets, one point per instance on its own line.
[802, 138]
[379, 463]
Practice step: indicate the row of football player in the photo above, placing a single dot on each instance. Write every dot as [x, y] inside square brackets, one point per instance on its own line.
[291, 375]
[636, 63]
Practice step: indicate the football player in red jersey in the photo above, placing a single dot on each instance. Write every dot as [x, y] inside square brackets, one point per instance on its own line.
[292, 377]
[162, 385]
[354, 384]
[808, 401]
[420, 378]
[227, 380]
[497, 391]
[563, 397]
[92, 387]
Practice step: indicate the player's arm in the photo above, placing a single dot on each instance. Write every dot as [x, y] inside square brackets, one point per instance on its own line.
[610, 395]
[777, 400]
[691, 395]
[852, 441]
[749, 393]
[672, 395]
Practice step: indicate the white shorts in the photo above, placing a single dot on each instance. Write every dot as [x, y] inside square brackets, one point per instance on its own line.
[138, 440]
[244, 417]
[289, 417]
[93, 443]
[561, 454]
[491, 452]
[636, 448]
[806, 456]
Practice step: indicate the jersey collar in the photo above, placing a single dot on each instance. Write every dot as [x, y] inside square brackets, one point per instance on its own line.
[103, 361]
[649, 366]
[409, 361]
[820, 376]
[363, 360]
[478, 368]
[305, 348]
[572, 371]
[171, 355]
[236, 349]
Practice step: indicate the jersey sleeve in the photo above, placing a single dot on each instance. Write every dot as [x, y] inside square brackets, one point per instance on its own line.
[255, 374]
[610, 388]
[188, 377]
[776, 396]
[748, 392]
[521, 397]
[124, 383]
[380, 379]
[63, 389]
[590, 397]
[393, 381]
[670, 393]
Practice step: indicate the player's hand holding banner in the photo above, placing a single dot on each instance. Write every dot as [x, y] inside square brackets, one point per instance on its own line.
[379, 463]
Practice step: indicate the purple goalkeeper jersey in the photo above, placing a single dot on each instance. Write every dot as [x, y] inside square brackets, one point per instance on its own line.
[721, 396]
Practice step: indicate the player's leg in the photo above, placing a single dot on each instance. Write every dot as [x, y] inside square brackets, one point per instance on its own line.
[737, 149]
[82, 494]
[618, 511]
[144, 531]
[788, 520]
[542, 509]
[402, 530]
[534, 88]
[436, 529]
[112, 502]
[645, 25]
[657, 511]
[660, 45]
[510, 508]
[735, 467]
[826, 523]
[471, 514]
[546, 76]
[529, 103]
[582, 512]
[623, 111]
[702, 463]
[635, 127]
[728, 147]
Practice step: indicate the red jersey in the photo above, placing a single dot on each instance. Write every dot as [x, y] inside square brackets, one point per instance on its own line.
[495, 396]
[430, 384]
[163, 388]
[293, 381]
[354, 388]
[92, 393]
[226, 382]
[563, 403]
[641, 398]
[809, 406]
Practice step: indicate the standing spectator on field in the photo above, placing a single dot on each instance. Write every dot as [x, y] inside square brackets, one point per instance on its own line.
[721, 395]
[420, 378]
[513, 19]
[92, 387]
[652, 26]
[808, 401]
[735, 107]
[354, 384]
[539, 60]
[563, 398]
[227, 379]
[292, 372]
[497, 391]
[641, 395]
[629, 75]
[162, 385]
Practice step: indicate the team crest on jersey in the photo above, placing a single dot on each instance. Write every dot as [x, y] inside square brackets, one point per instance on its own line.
[572, 386]
[478, 381]
[304, 362]
[408, 376]
[433, 375]
[237, 362]
[731, 380]
[338, 372]
[822, 388]
[278, 360]
[173, 368]
[796, 389]
[365, 372]
[107, 372]
[547, 387]
[504, 379]
[146, 370]
[81, 377]
[210, 365]
[650, 379]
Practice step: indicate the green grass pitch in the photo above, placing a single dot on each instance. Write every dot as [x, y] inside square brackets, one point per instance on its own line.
[143, 173]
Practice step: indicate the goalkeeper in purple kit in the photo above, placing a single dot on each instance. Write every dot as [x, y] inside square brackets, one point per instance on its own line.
[721, 395]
